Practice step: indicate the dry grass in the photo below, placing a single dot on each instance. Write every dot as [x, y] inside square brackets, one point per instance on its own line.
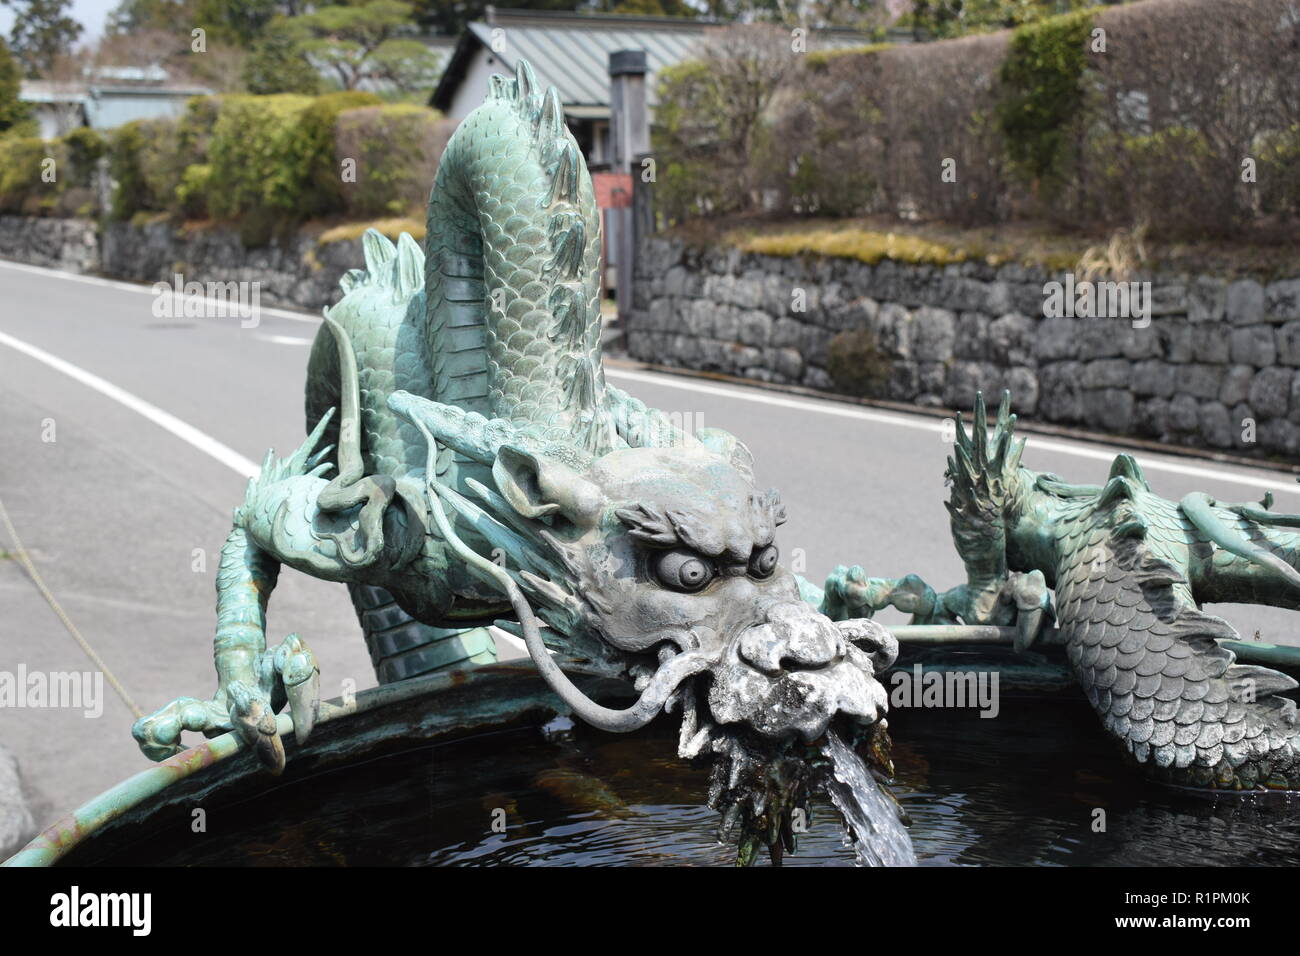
[392, 228]
[1122, 256]
[873, 239]
[861, 244]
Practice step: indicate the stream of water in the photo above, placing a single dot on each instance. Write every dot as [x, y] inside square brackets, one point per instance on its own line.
[871, 820]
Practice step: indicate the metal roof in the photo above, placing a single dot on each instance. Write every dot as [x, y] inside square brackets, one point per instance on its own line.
[570, 51]
[575, 59]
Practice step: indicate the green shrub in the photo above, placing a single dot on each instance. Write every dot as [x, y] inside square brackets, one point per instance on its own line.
[193, 190]
[1042, 83]
[1279, 172]
[85, 147]
[857, 364]
[194, 130]
[314, 143]
[22, 189]
[129, 193]
[161, 163]
[689, 124]
[256, 176]
[396, 149]
[15, 114]
[144, 166]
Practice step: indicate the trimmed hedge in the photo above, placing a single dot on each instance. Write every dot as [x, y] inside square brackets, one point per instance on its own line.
[396, 150]
[1181, 116]
[267, 163]
[23, 186]
[1042, 82]
[255, 173]
[315, 145]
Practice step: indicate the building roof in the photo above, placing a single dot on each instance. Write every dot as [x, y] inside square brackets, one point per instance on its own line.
[570, 51]
[107, 105]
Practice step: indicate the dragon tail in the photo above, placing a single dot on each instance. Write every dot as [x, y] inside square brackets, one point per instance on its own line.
[512, 270]
[1150, 660]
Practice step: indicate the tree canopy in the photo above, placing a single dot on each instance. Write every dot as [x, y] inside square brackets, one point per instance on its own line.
[42, 32]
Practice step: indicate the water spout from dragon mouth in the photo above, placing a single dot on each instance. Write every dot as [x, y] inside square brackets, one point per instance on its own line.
[872, 818]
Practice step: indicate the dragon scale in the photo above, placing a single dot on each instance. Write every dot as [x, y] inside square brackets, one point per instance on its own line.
[1129, 572]
[1149, 659]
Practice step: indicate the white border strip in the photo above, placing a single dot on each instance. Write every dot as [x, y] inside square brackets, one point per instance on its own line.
[1264, 480]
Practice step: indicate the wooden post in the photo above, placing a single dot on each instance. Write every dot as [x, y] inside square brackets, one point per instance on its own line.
[630, 138]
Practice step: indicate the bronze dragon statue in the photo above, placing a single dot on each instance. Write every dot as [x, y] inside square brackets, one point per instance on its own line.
[484, 466]
[485, 471]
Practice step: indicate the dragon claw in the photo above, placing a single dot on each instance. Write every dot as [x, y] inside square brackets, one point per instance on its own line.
[254, 720]
[159, 734]
[287, 673]
[301, 678]
[1033, 602]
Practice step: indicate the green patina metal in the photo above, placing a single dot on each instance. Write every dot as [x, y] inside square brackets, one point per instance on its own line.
[483, 469]
[392, 715]
[1129, 572]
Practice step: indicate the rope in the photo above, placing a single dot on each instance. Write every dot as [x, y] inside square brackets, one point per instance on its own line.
[25, 560]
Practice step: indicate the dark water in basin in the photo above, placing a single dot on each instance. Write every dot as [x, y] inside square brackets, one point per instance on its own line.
[1019, 789]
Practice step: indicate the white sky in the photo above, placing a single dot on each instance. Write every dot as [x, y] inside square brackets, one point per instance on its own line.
[91, 14]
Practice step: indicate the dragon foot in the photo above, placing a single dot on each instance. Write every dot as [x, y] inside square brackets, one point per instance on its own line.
[850, 593]
[284, 674]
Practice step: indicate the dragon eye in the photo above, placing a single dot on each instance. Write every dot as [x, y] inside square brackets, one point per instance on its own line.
[763, 561]
[682, 571]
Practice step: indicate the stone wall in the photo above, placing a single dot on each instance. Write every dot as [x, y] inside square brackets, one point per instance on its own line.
[1215, 368]
[301, 272]
[67, 244]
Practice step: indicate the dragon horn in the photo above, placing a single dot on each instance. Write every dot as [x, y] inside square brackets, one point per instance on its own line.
[980, 429]
[477, 436]
[1005, 419]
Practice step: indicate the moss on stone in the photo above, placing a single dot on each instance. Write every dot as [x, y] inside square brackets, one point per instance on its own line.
[392, 228]
[861, 244]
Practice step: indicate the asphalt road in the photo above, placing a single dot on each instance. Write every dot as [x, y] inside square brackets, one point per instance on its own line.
[155, 422]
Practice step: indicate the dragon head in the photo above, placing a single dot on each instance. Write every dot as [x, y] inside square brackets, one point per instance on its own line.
[662, 564]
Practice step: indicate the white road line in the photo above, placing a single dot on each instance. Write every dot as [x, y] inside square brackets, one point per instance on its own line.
[182, 430]
[284, 340]
[1267, 480]
[148, 290]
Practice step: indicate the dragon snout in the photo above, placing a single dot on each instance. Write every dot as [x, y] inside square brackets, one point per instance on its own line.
[792, 640]
[795, 670]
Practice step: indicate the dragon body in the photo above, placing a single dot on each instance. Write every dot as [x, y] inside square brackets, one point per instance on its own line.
[1130, 571]
[483, 470]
